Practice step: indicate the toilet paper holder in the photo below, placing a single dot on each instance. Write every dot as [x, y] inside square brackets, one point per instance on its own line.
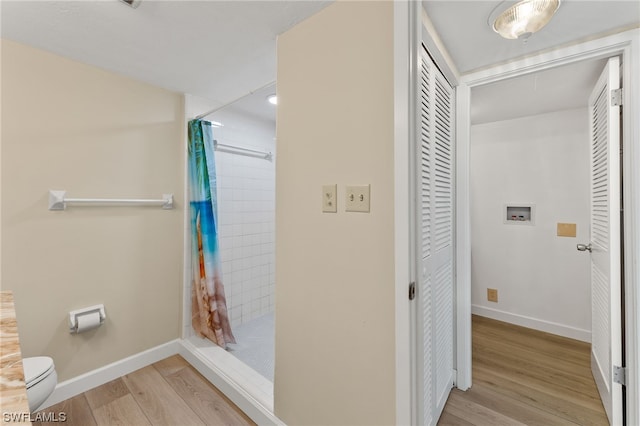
[91, 310]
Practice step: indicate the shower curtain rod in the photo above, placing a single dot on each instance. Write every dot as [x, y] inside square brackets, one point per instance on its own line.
[198, 117]
[242, 151]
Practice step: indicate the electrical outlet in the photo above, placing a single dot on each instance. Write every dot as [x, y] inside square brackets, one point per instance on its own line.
[329, 199]
[357, 198]
[492, 295]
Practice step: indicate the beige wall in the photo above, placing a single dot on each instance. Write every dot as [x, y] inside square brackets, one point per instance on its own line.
[335, 271]
[74, 127]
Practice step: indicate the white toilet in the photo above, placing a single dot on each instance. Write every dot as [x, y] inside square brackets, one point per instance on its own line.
[41, 378]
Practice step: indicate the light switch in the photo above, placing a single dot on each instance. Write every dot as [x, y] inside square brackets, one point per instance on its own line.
[566, 230]
[357, 198]
[329, 199]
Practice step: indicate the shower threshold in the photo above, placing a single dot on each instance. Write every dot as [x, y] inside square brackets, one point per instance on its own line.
[247, 388]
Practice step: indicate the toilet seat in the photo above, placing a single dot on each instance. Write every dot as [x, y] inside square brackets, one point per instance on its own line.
[40, 380]
[36, 369]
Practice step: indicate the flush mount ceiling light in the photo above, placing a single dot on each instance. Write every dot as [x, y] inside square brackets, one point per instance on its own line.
[273, 99]
[523, 18]
[133, 3]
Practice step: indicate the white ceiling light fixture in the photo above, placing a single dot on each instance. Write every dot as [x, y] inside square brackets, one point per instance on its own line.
[133, 3]
[523, 18]
[273, 99]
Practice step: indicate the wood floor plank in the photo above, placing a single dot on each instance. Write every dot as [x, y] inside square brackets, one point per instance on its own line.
[483, 324]
[534, 385]
[171, 365]
[122, 411]
[548, 356]
[535, 340]
[486, 347]
[169, 392]
[76, 413]
[528, 370]
[448, 419]
[540, 341]
[513, 408]
[538, 398]
[529, 377]
[158, 400]
[478, 414]
[205, 400]
[97, 397]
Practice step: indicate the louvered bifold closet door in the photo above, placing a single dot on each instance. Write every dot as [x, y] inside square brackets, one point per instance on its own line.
[443, 239]
[425, 400]
[435, 242]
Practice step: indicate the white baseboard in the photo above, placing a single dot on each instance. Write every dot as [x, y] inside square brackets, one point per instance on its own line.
[84, 382]
[251, 392]
[535, 323]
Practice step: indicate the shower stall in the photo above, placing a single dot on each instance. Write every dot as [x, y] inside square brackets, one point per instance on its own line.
[244, 134]
[246, 203]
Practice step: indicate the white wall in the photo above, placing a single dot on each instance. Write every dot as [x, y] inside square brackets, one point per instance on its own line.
[74, 127]
[542, 280]
[246, 214]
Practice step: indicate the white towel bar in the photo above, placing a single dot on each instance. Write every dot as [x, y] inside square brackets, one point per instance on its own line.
[58, 201]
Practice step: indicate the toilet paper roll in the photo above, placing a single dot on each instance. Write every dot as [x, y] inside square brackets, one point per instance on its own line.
[88, 322]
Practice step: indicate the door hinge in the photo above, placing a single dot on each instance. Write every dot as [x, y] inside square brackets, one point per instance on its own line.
[619, 375]
[616, 97]
[412, 291]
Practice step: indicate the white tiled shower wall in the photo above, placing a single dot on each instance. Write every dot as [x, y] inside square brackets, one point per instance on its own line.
[246, 207]
[246, 213]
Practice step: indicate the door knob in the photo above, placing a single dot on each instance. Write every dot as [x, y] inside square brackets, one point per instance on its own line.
[584, 247]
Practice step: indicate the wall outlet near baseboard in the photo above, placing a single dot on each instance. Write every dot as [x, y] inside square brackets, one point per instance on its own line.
[492, 295]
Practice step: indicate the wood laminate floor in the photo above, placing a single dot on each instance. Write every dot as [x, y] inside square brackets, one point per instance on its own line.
[520, 377]
[525, 377]
[169, 392]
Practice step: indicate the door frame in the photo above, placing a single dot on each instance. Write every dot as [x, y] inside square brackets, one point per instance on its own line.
[412, 28]
[626, 45]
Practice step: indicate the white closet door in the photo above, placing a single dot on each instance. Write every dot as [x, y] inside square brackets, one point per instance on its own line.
[443, 239]
[606, 302]
[434, 326]
[424, 329]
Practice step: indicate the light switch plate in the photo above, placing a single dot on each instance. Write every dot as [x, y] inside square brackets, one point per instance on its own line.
[358, 198]
[329, 199]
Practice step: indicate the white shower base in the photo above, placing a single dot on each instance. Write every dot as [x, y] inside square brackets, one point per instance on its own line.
[256, 344]
[241, 372]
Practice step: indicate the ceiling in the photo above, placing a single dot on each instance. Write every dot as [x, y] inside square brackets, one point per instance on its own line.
[478, 47]
[219, 50]
[556, 89]
[222, 50]
[255, 105]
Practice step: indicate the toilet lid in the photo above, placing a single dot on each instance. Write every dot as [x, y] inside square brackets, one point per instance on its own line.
[35, 368]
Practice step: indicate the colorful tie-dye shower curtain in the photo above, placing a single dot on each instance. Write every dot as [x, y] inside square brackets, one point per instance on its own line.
[208, 304]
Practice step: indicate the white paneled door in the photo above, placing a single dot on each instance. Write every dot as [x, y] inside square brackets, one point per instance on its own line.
[604, 247]
[434, 217]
